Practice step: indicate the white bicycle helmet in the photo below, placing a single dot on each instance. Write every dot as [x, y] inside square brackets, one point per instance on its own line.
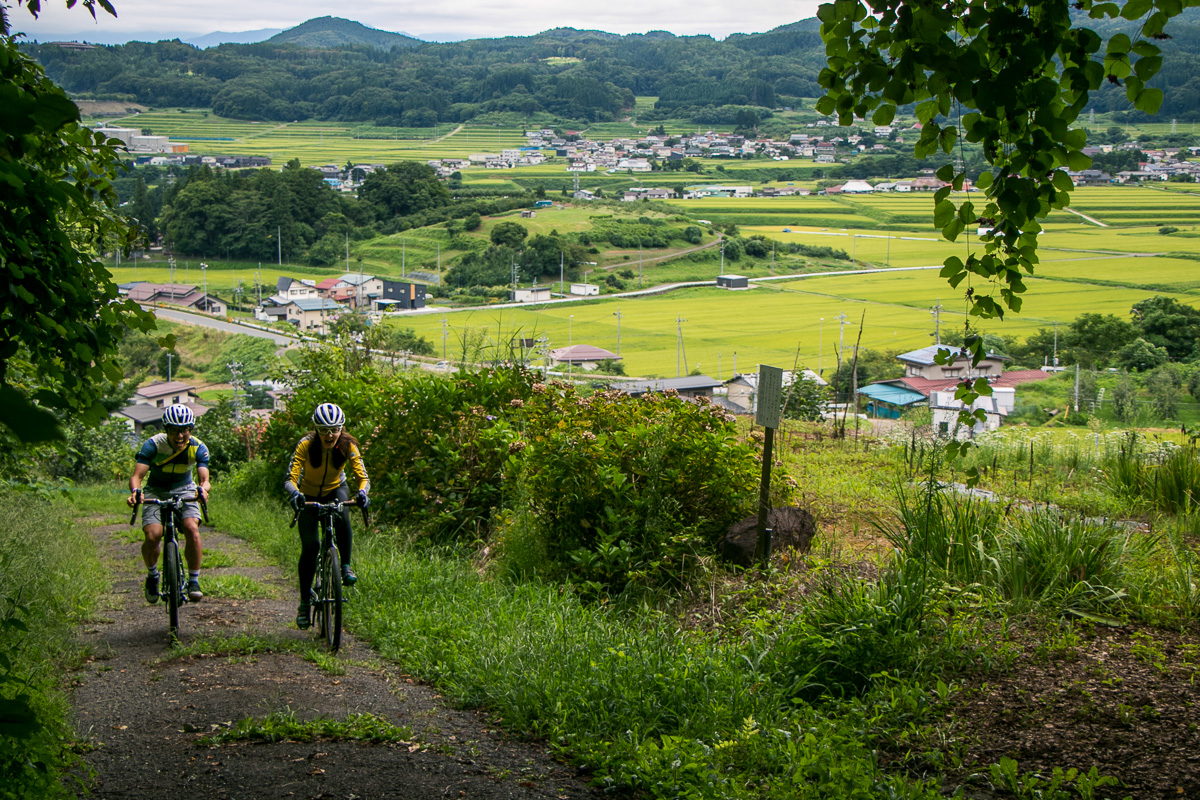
[328, 415]
[179, 415]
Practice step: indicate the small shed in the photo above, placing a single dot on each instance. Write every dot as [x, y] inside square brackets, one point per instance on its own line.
[531, 295]
[585, 289]
[733, 281]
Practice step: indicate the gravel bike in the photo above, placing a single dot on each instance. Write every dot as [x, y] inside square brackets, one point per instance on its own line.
[171, 588]
[327, 595]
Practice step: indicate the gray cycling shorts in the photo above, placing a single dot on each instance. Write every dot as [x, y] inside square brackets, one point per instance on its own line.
[150, 515]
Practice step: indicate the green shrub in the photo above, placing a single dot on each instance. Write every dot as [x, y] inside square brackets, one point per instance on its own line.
[618, 489]
[628, 490]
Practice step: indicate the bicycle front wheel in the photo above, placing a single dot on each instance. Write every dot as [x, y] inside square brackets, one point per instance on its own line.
[331, 608]
[173, 587]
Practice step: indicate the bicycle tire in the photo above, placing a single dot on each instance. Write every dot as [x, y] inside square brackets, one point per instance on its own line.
[332, 608]
[172, 577]
[317, 594]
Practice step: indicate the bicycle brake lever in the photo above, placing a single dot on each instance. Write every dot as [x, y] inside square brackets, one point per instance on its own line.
[203, 506]
[133, 516]
[295, 517]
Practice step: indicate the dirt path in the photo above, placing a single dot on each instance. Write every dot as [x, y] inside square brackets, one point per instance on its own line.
[142, 712]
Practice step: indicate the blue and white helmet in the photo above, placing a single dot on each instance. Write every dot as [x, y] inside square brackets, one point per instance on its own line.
[179, 415]
[328, 415]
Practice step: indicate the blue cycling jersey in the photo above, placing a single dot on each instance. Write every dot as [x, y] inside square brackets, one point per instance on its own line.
[169, 469]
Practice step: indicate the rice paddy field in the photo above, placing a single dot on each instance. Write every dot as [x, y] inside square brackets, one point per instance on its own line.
[777, 323]
[1104, 255]
[321, 142]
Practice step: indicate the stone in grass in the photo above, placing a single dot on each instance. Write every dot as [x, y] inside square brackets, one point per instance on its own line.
[791, 527]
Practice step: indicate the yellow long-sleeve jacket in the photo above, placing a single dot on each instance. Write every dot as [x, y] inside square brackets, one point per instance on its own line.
[317, 481]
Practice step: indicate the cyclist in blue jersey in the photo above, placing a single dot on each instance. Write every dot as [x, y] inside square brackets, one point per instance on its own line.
[164, 469]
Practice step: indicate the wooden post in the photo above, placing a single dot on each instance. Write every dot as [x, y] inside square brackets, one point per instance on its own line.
[770, 407]
[762, 547]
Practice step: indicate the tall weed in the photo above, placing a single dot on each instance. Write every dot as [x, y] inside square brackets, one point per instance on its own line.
[48, 575]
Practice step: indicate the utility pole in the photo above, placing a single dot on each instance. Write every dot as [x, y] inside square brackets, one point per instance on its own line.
[820, 337]
[1055, 343]
[679, 349]
[444, 338]
[1077, 388]
[170, 358]
[618, 315]
[561, 258]
[841, 318]
[235, 380]
[204, 276]
[722, 256]
[936, 312]
[403, 256]
[772, 258]
[279, 242]
[439, 263]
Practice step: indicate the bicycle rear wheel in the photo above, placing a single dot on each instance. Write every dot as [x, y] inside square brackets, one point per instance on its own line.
[331, 609]
[173, 587]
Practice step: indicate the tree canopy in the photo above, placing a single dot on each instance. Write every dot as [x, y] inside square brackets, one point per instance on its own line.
[61, 317]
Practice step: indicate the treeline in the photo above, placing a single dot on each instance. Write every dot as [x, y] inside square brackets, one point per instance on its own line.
[255, 214]
[695, 76]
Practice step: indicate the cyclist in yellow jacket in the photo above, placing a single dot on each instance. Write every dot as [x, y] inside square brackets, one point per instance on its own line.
[318, 474]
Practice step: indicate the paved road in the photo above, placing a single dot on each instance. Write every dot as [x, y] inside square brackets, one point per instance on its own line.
[186, 318]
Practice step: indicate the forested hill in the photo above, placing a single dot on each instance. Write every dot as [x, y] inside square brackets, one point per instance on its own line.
[336, 32]
[574, 75]
[334, 69]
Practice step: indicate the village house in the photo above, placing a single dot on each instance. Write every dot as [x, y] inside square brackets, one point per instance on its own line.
[690, 387]
[312, 315]
[184, 296]
[400, 296]
[289, 289]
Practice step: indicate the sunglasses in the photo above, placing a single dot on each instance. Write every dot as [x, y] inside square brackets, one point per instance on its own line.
[328, 431]
[177, 428]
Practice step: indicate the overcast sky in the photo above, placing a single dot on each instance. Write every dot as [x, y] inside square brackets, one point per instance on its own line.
[469, 18]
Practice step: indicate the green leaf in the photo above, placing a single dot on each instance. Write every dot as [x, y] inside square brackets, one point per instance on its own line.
[884, 114]
[1149, 101]
[29, 423]
[17, 718]
[945, 173]
[1135, 9]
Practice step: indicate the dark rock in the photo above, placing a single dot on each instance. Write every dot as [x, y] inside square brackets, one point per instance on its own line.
[791, 527]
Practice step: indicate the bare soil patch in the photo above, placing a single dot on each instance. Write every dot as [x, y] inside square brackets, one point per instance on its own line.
[141, 713]
[1120, 699]
[108, 108]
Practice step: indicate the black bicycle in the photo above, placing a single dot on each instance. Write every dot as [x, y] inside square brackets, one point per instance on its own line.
[171, 589]
[327, 595]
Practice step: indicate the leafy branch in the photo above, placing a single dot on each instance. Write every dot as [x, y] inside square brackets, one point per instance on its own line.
[1009, 76]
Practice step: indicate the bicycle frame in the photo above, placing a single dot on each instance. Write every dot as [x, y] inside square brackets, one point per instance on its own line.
[327, 595]
[171, 587]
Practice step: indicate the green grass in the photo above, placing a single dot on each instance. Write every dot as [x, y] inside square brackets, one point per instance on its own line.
[236, 587]
[287, 726]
